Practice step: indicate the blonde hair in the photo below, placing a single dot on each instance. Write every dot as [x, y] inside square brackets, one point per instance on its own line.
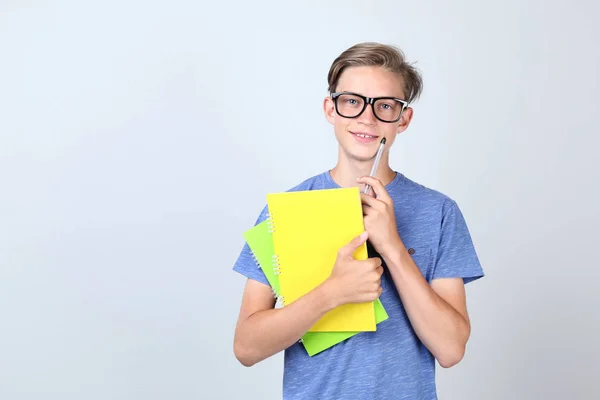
[380, 55]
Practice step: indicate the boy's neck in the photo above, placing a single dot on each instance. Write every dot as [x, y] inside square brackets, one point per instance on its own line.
[346, 171]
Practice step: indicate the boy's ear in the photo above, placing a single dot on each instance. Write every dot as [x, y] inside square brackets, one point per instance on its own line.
[407, 115]
[329, 109]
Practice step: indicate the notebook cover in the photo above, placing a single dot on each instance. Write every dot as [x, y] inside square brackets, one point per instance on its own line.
[308, 229]
[316, 342]
[260, 242]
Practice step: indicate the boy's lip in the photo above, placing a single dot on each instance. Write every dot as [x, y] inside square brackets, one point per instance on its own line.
[366, 138]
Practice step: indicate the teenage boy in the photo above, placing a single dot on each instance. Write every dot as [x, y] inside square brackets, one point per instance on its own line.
[420, 256]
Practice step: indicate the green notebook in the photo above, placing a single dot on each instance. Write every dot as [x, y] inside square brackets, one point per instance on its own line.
[260, 241]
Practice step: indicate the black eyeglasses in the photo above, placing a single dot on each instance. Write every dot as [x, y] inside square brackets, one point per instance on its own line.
[385, 109]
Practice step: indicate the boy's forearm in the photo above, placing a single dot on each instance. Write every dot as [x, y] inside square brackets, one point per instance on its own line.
[268, 332]
[441, 328]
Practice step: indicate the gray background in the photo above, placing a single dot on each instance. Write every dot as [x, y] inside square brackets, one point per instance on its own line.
[138, 141]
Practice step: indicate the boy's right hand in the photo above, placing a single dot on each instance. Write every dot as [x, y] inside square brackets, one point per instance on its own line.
[354, 281]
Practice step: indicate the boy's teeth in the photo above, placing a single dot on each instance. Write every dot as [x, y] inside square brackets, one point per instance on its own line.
[365, 136]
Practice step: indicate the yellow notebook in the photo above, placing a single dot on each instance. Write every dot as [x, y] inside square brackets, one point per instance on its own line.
[309, 227]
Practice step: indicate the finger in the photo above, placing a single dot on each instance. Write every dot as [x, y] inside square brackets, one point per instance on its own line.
[367, 211]
[380, 270]
[371, 201]
[354, 244]
[369, 191]
[375, 262]
[377, 187]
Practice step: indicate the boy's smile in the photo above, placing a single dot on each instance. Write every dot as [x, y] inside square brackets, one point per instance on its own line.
[364, 137]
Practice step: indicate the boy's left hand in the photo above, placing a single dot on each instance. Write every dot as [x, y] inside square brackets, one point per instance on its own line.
[379, 217]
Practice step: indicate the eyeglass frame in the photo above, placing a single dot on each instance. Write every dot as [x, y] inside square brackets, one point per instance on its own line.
[371, 101]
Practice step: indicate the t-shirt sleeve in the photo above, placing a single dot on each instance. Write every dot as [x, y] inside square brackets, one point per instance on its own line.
[245, 263]
[456, 256]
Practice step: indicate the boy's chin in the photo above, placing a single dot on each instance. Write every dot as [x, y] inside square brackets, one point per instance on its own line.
[357, 155]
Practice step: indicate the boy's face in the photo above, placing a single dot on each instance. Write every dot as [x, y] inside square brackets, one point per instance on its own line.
[351, 132]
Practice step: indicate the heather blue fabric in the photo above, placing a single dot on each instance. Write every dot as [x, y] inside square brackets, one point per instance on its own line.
[390, 363]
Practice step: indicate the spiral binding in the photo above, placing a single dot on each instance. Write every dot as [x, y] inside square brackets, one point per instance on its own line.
[277, 296]
[277, 271]
[270, 223]
[275, 264]
[274, 259]
[255, 259]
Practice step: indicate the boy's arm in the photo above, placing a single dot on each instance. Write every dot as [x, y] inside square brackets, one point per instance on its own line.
[437, 311]
[263, 331]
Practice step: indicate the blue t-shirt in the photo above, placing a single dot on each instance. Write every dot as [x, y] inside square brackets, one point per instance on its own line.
[390, 363]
